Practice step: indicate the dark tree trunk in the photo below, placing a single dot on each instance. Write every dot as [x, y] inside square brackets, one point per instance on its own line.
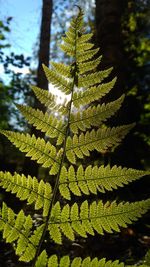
[109, 39]
[31, 167]
[44, 48]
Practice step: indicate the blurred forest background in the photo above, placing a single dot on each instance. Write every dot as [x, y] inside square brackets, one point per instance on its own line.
[122, 31]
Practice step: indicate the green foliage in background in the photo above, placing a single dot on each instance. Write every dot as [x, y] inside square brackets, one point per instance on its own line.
[136, 32]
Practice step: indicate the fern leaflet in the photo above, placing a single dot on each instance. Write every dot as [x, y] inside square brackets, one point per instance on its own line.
[44, 122]
[96, 216]
[94, 116]
[28, 188]
[94, 179]
[65, 261]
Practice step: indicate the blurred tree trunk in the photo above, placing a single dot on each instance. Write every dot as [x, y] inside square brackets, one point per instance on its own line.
[109, 38]
[31, 167]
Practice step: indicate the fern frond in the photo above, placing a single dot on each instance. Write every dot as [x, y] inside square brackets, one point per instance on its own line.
[42, 260]
[90, 65]
[57, 80]
[28, 188]
[100, 140]
[63, 186]
[94, 179]
[67, 48]
[62, 69]
[92, 93]
[45, 122]
[74, 132]
[85, 37]
[81, 47]
[76, 31]
[76, 42]
[71, 40]
[45, 97]
[65, 261]
[82, 57]
[94, 116]
[79, 262]
[77, 21]
[43, 152]
[94, 78]
[49, 100]
[17, 228]
[97, 217]
[29, 253]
